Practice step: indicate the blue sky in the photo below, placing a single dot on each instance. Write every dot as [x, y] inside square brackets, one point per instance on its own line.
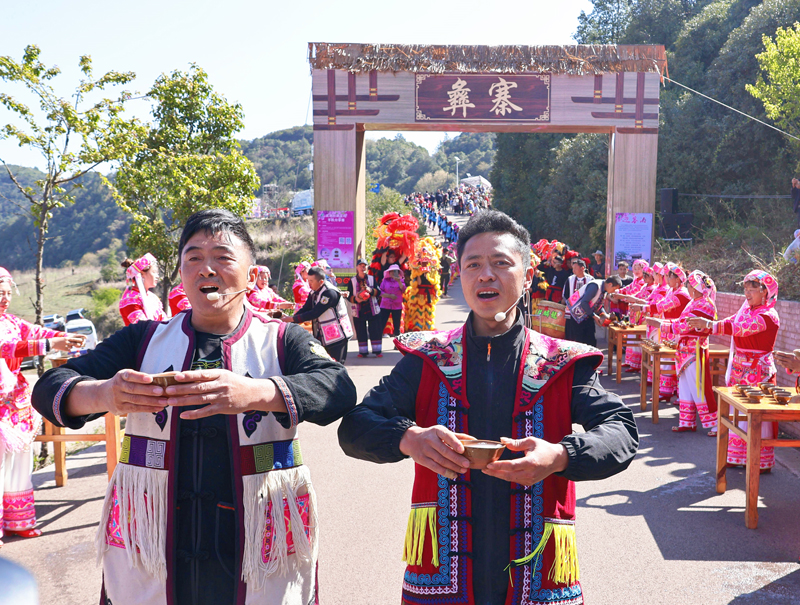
[255, 52]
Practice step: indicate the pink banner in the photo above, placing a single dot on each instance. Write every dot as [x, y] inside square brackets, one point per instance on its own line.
[335, 238]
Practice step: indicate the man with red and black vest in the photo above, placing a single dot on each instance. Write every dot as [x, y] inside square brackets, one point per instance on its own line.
[504, 535]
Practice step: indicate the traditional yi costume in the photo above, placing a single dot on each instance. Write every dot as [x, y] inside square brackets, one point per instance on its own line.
[264, 299]
[670, 307]
[477, 539]
[300, 288]
[637, 288]
[178, 301]
[219, 509]
[138, 303]
[420, 298]
[658, 293]
[695, 391]
[19, 422]
[753, 331]
[363, 296]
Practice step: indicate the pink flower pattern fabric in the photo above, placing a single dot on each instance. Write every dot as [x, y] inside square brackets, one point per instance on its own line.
[178, 301]
[132, 307]
[19, 422]
[688, 336]
[269, 534]
[264, 298]
[301, 290]
[19, 512]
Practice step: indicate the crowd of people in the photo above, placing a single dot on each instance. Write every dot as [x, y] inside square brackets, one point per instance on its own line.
[678, 307]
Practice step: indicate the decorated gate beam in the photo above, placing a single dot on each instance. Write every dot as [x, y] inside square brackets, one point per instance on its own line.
[611, 89]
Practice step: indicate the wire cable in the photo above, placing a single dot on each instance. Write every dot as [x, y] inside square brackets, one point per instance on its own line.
[731, 108]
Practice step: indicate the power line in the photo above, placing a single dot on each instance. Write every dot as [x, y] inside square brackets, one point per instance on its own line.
[737, 197]
[732, 108]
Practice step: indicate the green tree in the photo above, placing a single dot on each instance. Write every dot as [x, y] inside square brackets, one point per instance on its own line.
[73, 136]
[606, 24]
[778, 87]
[188, 161]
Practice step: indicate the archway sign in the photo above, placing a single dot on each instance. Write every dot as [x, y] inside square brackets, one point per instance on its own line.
[581, 88]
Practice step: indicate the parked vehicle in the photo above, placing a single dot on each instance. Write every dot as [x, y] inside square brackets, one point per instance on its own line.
[80, 325]
[76, 314]
[54, 321]
[303, 203]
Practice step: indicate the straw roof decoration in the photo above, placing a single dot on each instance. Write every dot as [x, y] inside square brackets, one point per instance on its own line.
[577, 59]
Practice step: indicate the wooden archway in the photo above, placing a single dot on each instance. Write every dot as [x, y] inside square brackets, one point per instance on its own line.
[582, 88]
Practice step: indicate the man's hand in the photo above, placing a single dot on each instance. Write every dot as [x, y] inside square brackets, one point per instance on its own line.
[223, 392]
[699, 323]
[287, 319]
[127, 393]
[437, 448]
[653, 322]
[541, 460]
[788, 361]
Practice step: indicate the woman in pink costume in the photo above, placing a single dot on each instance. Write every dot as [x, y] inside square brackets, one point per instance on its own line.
[264, 298]
[695, 394]
[19, 422]
[754, 329]
[669, 307]
[633, 355]
[137, 302]
[300, 288]
[178, 301]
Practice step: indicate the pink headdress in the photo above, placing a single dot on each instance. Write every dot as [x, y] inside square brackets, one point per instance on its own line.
[657, 268]
[766, 280]
[6, 276]
[304, 266]
[140, 265]
[265, 270]
[673, 268]
[641, 264]
[703, 284]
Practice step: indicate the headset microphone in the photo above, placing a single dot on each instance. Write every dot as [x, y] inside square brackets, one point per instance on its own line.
[500, 316]
[215, 296]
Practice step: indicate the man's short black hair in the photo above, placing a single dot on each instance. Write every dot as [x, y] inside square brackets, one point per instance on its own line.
[615, 280]
[623, 263]
[213, 221]
[318, 272]
[579, 261]
[494, 221]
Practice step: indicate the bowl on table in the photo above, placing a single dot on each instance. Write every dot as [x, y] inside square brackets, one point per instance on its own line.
[481, 452]
[764, 386]
[782, 397]
[165, 379]
[755, 396]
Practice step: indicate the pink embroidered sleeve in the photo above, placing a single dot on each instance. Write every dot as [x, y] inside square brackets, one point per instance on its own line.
[724, 326]
[136, 316]
[753, 326]
[667, 303]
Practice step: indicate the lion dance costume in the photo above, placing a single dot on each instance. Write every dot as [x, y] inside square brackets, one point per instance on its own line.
[421, 297]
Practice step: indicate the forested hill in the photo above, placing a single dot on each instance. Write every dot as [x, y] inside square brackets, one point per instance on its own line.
[88, 225]
[282, 158]
[556, 184]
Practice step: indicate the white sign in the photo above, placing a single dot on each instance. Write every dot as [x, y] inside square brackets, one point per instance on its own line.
[633, 237]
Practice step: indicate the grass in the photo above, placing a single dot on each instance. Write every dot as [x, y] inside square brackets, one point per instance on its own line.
[65, 289]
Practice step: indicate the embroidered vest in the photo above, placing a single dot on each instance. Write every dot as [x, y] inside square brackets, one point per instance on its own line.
[438, 546]
[276, 562]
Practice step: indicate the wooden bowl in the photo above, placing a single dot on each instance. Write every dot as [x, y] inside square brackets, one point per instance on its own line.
[755, 397]
[764, 386]
[796, 353]
[481, 452]
[783, 398]
[165, 379]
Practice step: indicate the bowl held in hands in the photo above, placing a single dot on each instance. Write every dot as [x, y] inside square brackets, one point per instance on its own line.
[165, 379]
[481, 452]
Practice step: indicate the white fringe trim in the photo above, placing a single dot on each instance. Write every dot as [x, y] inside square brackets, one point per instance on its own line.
[146, 538]
[274, 487]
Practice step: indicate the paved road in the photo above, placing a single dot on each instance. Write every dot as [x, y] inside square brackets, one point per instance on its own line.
[657, 533]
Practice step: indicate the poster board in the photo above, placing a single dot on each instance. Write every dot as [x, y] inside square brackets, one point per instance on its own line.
[335, 238]
[633, 237]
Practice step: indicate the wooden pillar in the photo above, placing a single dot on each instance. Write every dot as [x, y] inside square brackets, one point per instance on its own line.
[631, 181]
[340, 178]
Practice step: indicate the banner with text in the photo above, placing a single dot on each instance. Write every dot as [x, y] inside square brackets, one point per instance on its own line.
[335, 238]
[633, 237]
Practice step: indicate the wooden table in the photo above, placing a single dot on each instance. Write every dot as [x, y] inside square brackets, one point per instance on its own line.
[619, 337]
[112, 436]
[755, 414]
[653, 357]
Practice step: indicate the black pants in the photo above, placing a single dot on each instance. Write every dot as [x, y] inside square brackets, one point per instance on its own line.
[580, 332]
[337, 350]
[396, 315]
[445, 283]
[369, 328]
